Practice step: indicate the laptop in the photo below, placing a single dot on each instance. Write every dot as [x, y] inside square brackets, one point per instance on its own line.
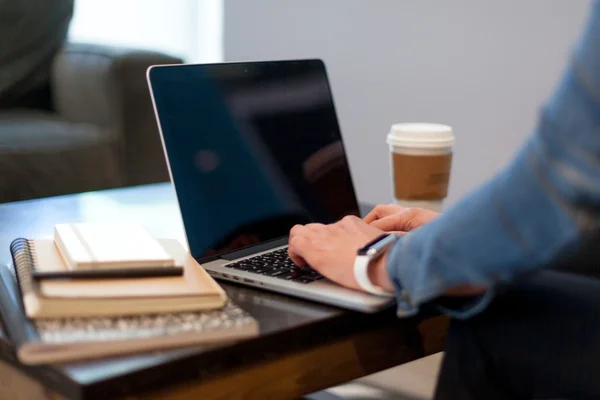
[254, 148]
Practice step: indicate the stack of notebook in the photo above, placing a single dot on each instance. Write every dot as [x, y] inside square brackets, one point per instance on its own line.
[58, 308]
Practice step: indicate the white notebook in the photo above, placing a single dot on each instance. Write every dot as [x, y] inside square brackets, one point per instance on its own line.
[97, 245]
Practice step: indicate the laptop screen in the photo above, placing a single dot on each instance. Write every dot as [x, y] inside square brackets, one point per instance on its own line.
[254, 148]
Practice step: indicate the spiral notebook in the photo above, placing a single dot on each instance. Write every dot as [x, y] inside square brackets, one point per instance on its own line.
[194, 290]
[46, 341]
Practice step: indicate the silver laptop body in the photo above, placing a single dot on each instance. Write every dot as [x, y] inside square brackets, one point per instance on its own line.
[252, 149]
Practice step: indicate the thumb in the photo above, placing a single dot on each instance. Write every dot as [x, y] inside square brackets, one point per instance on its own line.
[406, 220]
[390, 223]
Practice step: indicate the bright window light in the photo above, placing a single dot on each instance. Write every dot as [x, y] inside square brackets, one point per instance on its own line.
[190, 29]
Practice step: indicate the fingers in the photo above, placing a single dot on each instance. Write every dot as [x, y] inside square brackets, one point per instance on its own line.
[316, 227]
[402, 221]
[300, 244]
[412, 218]
[302, 251]
[298, 230]
[350, 220]
[405, 220]
[386, 224]
[381, 211]
[349, 223]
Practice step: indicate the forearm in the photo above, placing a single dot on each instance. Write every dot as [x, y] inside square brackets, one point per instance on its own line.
[530, 214]
[511, 225]
[378, 274]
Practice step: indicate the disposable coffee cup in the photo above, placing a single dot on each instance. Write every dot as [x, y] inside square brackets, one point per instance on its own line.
[420, 161]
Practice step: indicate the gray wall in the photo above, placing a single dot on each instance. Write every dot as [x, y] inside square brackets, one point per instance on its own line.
[484, 67]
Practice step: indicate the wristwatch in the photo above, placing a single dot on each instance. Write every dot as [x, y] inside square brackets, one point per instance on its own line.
[365, 256]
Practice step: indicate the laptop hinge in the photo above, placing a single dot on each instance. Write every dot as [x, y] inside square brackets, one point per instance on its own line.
[259, 248]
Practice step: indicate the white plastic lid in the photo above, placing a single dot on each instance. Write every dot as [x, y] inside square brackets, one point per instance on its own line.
[421, 135]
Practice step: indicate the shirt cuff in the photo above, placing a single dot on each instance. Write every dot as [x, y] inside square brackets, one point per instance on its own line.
[405, 306]
[404, 274]
[468, 307]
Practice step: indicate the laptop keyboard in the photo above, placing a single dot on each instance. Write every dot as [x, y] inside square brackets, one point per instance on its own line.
[277, 264]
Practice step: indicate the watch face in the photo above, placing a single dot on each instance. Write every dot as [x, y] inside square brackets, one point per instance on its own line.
[373, 243]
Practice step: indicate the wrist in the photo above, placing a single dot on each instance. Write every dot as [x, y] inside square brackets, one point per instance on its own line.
[378, 274]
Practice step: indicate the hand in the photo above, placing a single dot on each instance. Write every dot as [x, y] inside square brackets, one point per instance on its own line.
[393, 218]
[331, 250]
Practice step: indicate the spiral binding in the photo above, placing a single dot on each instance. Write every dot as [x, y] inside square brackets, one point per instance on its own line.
[24, 261]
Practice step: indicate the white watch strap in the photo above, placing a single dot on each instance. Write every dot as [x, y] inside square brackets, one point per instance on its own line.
[361, 274]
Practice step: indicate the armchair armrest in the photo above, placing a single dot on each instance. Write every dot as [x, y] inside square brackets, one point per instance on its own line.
[106, 86]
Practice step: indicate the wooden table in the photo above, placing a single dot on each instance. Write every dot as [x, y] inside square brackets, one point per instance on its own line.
[303, 347]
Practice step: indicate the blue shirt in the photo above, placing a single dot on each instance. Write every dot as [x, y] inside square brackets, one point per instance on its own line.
[540, 206]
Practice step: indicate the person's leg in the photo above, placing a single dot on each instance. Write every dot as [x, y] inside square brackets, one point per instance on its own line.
[540, 338]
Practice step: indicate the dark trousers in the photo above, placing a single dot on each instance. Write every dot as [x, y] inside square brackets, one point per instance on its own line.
[540, 338]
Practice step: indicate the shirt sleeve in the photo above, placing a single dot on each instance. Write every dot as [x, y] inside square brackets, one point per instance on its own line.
[538, 208]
